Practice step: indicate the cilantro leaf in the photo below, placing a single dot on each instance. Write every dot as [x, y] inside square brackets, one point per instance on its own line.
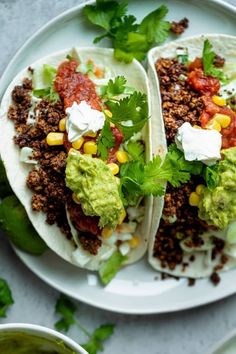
[66, 309]
[5, 297]
[129, 39]
[211, 176]
[154, 27]
[114, 88]
[105, 141]
[135, 150]
[208, 57]
[130, 113]
[99, 335]
[103, 13]
[109, 268]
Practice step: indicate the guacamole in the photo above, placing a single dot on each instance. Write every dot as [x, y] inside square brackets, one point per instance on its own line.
[218, 206]
[96, 187]
[25, 343]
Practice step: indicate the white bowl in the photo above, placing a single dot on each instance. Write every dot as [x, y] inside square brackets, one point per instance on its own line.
[226, 346]
[50, 336]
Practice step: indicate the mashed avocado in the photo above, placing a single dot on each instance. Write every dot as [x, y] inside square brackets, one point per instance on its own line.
[24, 343]
[96, 187]
[218, 207]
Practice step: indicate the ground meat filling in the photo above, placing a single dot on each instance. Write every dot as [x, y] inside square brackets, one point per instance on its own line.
[180, 220]
[47, 180]
[179, 102]
[179, 27]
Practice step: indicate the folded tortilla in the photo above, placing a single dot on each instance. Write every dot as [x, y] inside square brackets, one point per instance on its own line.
[17, 171]
[223, 45]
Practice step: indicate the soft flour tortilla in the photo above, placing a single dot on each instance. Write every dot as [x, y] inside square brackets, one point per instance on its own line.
[17, 171]
[223, 45]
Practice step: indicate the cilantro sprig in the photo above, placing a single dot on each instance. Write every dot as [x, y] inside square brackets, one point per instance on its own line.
[6, 299]
[208, 57]
[129, 38]
[140, 179]
[105, 141]
[67, 309]
[109, 268]
[130, 113]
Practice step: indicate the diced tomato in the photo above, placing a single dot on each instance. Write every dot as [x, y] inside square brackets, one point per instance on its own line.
[118, 135]
[207, 85]
[83, 222]
[204, 119]
[74, 86]
[210, 107]
[196, 64]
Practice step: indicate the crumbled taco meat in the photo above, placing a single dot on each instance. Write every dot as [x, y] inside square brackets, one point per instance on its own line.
[179, 102]
[179, 27]
[47, 180]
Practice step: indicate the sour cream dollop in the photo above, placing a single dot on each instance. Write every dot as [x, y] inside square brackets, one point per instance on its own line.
[199, 144]
[82, 119]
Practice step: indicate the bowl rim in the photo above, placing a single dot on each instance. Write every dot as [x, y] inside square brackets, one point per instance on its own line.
[43, 331]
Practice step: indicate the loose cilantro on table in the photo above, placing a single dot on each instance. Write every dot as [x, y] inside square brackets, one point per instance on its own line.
[129, 38]
[6, 299]
[66, 308]
[208, 57]
[110, 267]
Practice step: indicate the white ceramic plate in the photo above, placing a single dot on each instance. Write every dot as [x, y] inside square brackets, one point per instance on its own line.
[137, 289]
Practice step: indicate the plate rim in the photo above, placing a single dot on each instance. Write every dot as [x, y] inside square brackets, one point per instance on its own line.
[231, 9]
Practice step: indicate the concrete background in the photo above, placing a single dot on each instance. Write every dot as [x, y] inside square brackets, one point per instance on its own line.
[188, 332]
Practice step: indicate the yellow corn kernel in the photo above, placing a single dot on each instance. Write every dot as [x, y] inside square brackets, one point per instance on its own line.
[134, 242]
[90, 147]
[220, 101]
[122, 156]
[108, 113]
[113, 167]
[222, 119]
[75, 198]
[194, 199]
[72, 151]
[91, 135]
[213, 124]
[62, 125]
[197, 127]
[122, 217]
[199, 189]
[112, 125]
[54, 139]
[107, 232]
[78, 143]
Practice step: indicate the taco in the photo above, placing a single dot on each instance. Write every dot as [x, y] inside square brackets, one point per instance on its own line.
[72, 125]
[194, 115]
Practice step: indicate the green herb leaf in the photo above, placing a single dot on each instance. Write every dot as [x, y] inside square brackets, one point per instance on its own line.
[105, 140]
[116, 87]
[66, 309]
[105, 14]
[100, 334]
[134, 109]
[109, 268]
[208, 57]
[5, 297]
[211, 176]
[154, 27]
[135, 150]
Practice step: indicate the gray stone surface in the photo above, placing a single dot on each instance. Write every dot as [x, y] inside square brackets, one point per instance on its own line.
[188, 332]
